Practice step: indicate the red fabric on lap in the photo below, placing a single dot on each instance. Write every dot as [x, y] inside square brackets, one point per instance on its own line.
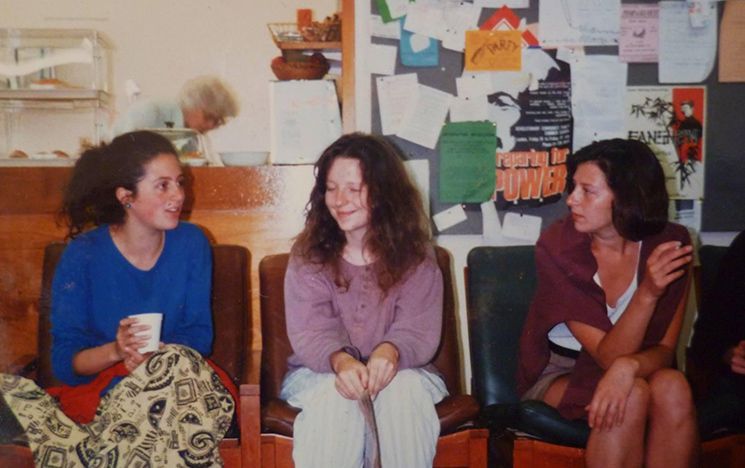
[79, 402]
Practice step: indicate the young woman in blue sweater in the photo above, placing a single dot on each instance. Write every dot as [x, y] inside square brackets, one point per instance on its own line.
[129, 254]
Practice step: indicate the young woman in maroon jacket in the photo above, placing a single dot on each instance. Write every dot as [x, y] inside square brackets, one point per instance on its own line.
[600, 338]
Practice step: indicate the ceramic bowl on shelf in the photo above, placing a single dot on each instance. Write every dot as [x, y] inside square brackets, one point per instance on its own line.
[244, 158]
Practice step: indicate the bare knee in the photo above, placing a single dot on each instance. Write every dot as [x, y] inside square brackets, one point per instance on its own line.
[622, 445]
[637, 405]
[671, 396]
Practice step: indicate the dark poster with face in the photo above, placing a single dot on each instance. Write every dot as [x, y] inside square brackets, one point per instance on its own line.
[534, 132]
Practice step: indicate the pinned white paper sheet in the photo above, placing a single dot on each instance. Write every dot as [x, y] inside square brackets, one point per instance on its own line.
[423, 120]
[378, 28]
[579, 22]
[472, 85]
[491, 227]
[469, 110]
[450, 217]
[457, 19]
[305, 119]
[395, 94]
[382, 59]
[687, 53]
[424, 19]
[521, 226]
[598, 97]
[397, 8]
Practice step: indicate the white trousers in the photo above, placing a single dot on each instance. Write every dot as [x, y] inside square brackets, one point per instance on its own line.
[330, 430]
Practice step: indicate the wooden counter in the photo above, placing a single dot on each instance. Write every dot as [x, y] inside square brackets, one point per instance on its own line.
[256, 207]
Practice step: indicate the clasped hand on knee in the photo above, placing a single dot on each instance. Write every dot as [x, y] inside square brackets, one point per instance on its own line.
[608, 405]
[354, 379]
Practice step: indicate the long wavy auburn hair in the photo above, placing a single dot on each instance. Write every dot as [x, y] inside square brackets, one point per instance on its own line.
[398, 234]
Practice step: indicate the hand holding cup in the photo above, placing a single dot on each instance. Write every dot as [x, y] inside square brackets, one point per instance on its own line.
[137, 335]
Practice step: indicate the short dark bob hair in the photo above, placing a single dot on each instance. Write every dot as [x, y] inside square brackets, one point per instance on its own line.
[636, 178]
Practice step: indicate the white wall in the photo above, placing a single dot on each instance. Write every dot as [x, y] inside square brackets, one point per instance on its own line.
[162, 43]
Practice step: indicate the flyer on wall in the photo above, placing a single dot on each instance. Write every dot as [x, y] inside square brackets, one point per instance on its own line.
[534, 138]
[672, 121]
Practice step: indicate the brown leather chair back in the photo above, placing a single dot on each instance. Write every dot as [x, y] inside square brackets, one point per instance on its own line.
[447, 359]
[231, 310]
[276, 345]
[44, 377]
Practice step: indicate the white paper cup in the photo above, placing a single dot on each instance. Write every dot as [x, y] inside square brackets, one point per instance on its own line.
[153, 319]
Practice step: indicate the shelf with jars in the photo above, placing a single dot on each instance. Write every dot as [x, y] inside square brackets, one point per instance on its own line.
[302, 45]
[299, 50]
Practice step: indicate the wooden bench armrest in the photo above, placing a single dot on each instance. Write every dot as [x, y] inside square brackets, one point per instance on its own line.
[250, 407]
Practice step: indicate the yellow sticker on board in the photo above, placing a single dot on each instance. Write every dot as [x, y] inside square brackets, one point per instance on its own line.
[493, 50]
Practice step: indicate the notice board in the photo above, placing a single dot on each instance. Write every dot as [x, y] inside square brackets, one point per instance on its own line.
[724, 189]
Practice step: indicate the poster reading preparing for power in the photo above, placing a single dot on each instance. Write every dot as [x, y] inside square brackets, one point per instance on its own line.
[671, 120]
[534, 133]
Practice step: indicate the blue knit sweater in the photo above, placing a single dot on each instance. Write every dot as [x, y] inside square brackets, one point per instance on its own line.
[94, 287]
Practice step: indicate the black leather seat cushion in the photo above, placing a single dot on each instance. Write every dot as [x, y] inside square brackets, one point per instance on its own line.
[500, 285]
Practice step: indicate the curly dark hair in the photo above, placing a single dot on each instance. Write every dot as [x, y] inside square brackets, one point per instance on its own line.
[398, 234]
[90, 195]
[636, 178]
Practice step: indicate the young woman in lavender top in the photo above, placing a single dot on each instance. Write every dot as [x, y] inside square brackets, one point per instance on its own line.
[363, 299]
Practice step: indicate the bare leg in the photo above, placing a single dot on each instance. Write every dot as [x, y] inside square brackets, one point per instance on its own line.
[622, 446]
[673, 436]
[555, 391]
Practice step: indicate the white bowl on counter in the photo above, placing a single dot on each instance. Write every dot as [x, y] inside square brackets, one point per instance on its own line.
[194, 162]
[244, 158]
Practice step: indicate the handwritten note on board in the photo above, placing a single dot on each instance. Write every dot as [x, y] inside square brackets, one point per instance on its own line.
[493, 50]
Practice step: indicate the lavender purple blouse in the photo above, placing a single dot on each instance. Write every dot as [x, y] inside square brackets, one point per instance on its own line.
[323, 318]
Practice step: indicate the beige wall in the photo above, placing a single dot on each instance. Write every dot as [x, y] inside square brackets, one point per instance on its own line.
[161, 43]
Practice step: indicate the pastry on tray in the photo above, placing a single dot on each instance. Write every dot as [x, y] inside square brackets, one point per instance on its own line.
[18, 154]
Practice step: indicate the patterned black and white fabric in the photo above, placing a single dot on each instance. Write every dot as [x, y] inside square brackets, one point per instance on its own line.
[171, 411]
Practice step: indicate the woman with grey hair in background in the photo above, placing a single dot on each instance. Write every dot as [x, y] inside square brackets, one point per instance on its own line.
[203, 104]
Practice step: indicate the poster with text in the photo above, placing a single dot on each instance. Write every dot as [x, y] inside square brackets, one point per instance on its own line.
[671, 120]
[534, 131]
[466, 156]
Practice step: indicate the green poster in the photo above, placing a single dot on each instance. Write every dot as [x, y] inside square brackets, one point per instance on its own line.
[385, 13]
[384, 10]
[467, 162]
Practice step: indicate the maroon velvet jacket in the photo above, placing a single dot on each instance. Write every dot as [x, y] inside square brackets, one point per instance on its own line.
[566, 291]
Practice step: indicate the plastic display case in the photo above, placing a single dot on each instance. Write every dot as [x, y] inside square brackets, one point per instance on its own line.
[69, 60]
[54, 96]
